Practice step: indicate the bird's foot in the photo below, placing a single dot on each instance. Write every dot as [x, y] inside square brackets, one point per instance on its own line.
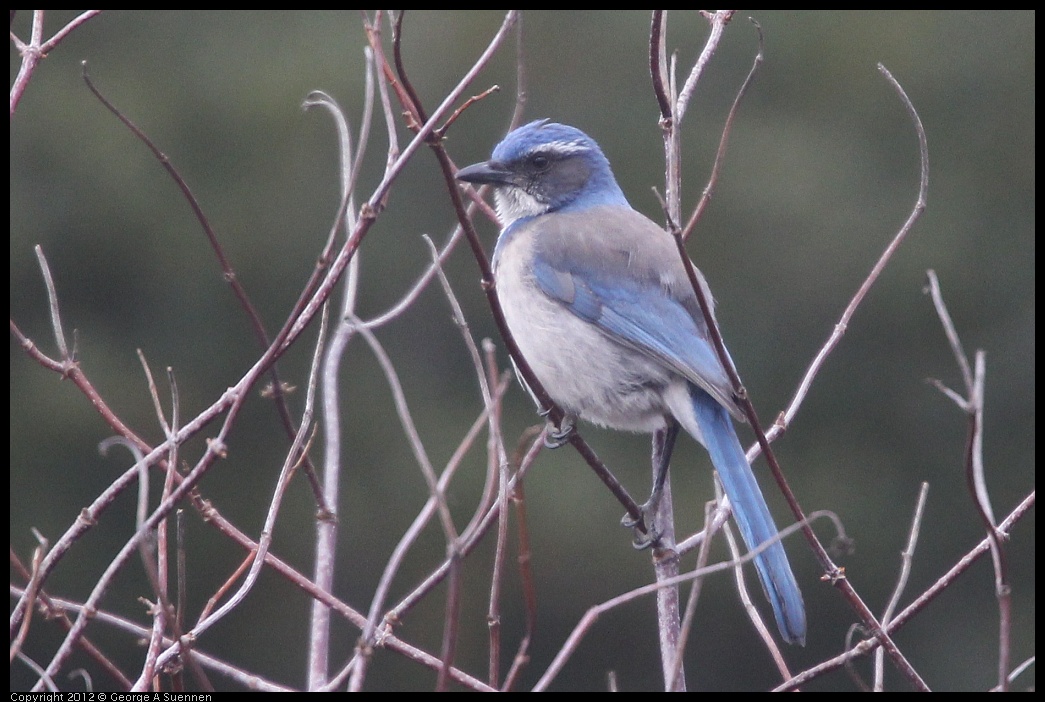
[646, 532]
[556, 436]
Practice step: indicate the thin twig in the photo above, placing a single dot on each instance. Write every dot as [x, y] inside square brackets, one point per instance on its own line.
[37, 49]
[906, 561]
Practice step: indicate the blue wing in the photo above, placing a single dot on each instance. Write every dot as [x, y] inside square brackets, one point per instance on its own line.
[627, 280]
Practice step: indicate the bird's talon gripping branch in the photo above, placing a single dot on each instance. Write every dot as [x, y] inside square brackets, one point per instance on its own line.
[556, 436]
[645, 531]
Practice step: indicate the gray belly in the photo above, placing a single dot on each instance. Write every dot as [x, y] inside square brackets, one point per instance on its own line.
[588, 374]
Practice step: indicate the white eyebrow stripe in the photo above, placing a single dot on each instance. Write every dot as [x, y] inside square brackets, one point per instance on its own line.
[561, 147]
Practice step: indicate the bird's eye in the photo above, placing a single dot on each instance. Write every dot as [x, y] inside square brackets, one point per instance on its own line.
[539, 161]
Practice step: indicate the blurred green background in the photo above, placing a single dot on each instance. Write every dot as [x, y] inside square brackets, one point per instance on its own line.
[822, 170]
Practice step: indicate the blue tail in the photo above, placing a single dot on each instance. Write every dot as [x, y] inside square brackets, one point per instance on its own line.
[752, 515]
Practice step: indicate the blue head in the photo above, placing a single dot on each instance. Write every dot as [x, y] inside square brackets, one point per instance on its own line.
[545, 167]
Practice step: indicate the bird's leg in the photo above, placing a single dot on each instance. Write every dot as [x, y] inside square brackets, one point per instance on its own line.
[647, 531]
[557, 436]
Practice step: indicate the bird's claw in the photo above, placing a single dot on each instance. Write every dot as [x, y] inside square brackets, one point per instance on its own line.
[556, 436]
[647, 534]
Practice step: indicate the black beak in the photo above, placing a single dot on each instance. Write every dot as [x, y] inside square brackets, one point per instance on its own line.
[485, 172]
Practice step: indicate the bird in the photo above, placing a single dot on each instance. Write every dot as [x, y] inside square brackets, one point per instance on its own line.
[598, 301]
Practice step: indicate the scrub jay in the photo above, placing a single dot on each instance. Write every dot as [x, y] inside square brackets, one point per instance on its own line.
[600, 305]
